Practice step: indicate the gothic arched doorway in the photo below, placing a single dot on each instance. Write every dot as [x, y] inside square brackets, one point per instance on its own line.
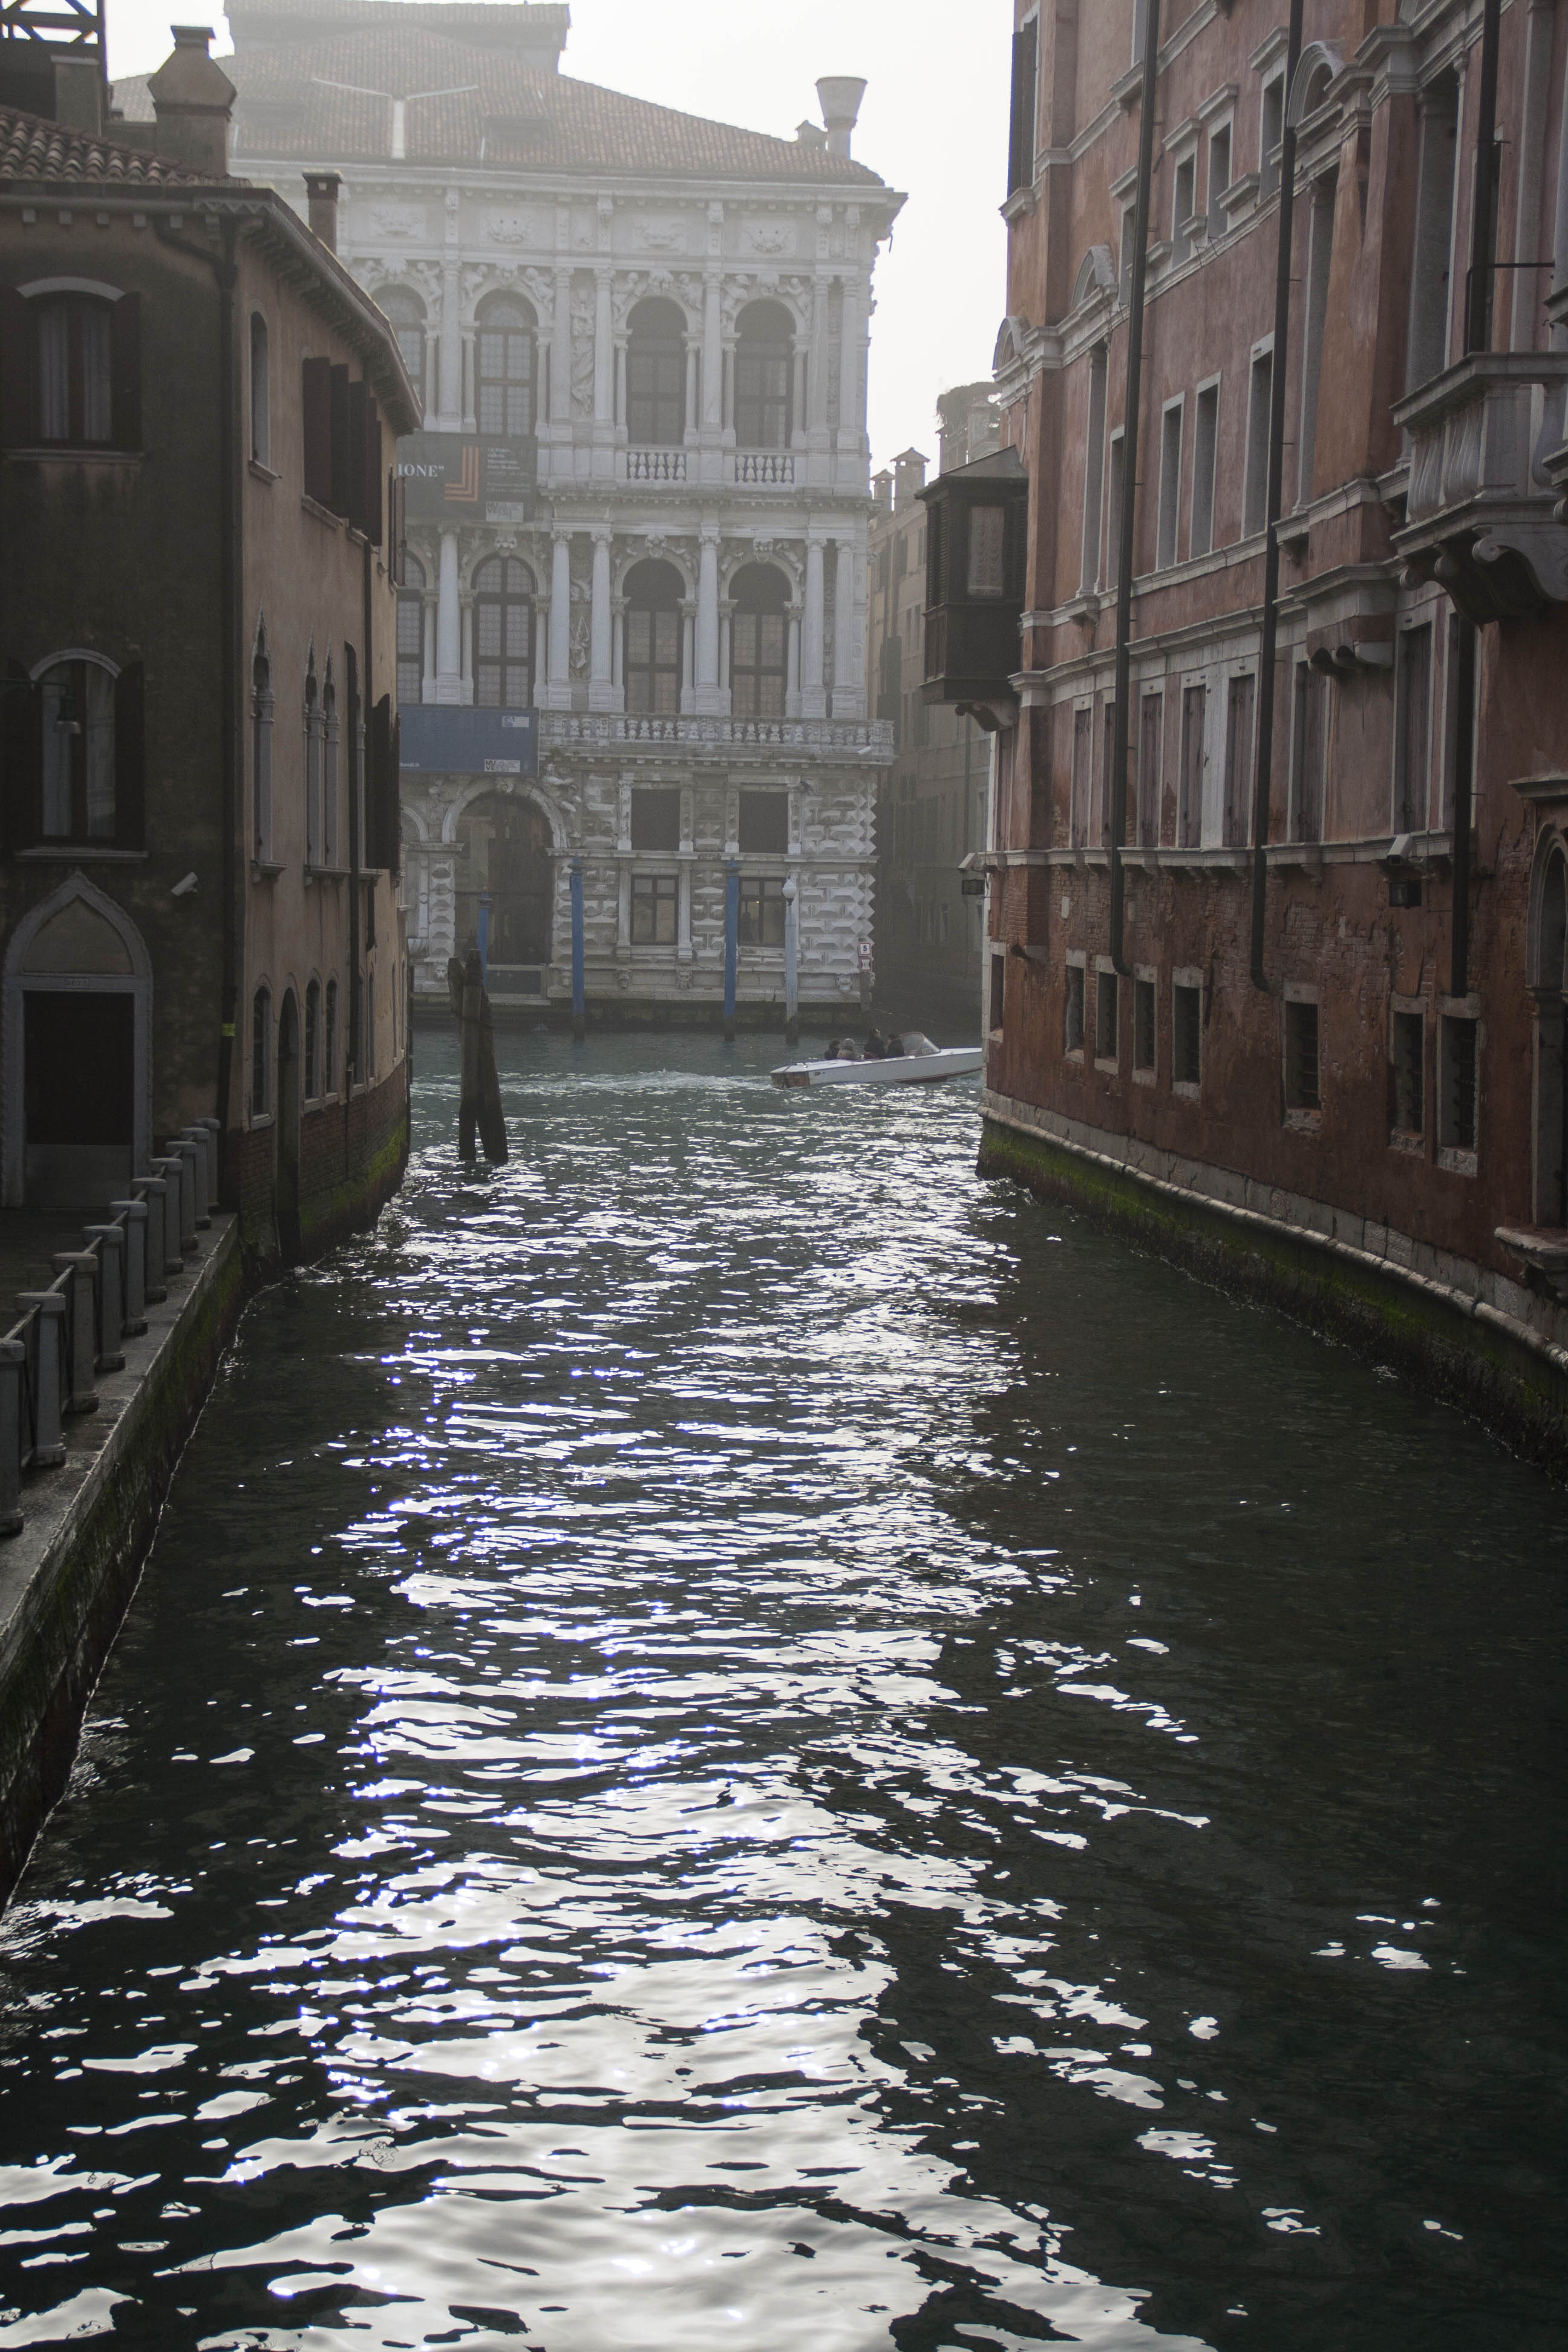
[505, 840]
[78, 1052]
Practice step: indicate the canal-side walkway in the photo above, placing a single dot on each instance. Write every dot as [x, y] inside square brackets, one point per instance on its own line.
[66, 1576]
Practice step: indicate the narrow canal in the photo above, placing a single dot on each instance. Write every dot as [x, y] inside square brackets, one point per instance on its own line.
[734, 1738]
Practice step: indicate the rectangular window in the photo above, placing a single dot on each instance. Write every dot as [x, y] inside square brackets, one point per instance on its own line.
[1093, 468]
[1186, 1034]
[1021, 128]
[764, 824]
[1431, 261]
[1151, 723]
[1185, 208]
[987, 532]
[1301, 1092]
[1082, 753]
[1129, 240]
[261, 397]
[1312, 754]
[1143, 1042]
[1412, 732]
[1105, 1010]
[1238, 719]
[1219, 176]
[1205, 451]
[1271, 133]
[1072, 1031]
[1106, 768]
[653, 910]
[656, 820]
[1457, 1083]
[1259, 402]
[1190, 800]
[1407, 1052]
[1170, 484]
[1112, 573]
[1319, 258]
[999, 993]
[761, 918]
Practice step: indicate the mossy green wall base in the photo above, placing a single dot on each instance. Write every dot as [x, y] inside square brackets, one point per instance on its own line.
[1475, 1364]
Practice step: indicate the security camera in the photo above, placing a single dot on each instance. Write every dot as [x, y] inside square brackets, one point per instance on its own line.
[183, 889]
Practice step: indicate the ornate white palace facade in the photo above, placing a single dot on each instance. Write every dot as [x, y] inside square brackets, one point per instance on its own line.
[631, 637]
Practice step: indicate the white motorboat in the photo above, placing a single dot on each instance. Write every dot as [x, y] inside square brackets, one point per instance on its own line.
[917, 1064]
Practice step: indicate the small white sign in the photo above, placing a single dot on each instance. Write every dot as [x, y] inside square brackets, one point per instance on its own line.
[865, 955]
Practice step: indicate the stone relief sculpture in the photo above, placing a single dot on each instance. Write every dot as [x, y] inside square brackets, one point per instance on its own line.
[582, 347]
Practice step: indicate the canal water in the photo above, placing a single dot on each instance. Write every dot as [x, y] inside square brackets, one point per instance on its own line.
[735, 1738]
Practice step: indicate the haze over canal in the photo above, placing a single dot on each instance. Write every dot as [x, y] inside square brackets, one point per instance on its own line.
[734, 1738]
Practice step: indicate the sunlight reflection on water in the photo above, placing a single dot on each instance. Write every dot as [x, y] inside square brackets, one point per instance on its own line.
[734, 1738]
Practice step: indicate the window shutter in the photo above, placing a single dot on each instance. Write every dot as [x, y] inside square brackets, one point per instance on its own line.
[378, 849]
[371, 473]
[17, 430]
[1021, 142]
[22, 750]
[130, 759]
[341, 498]
[125, 371]
[316, 406]
[395, 802]
[356, 503]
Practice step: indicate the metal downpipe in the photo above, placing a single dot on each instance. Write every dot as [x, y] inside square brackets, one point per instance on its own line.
[1128, 517]
[1269, 654]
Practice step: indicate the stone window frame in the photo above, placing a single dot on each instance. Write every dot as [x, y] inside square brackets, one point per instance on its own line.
[1304, 1118]
[1409, 1141]
[1077, 959]
[1105, 969]
[1454, 1160]
[1146, 976]
[1187, 977]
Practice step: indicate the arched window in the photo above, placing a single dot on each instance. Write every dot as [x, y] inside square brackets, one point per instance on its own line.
[411, 630]
[313, 1042]
[506, 351]
[312, 719]
[328, 769]
[261, 751]
[260, 393]
[329, 1042]
[261, 1053]
[78, 753]
[656, 376]
[765, 364]
[406, 313]
[653, 638]
[759, 643]
[75, 380]
[503, 635]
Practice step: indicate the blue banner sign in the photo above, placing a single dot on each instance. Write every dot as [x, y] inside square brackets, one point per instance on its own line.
[455, 740]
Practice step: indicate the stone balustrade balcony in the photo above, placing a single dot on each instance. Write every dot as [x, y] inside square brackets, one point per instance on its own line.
[1480, 511]
[866, 740]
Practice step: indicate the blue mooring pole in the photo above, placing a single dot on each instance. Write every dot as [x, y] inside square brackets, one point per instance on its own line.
[579, 991]
[732, 935]
[484, 936]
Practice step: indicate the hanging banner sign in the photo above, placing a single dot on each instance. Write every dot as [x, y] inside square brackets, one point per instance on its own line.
[459, 740]
[467, 477]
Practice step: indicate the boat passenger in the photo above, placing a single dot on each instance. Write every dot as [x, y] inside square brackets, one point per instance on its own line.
[832, 1053]
[847, 1050]
[875, 1049]
[894, 1049]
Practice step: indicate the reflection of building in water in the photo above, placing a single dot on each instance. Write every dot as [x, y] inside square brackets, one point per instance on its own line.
[639, 505]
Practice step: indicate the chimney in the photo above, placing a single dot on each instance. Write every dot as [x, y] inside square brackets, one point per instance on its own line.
[839, 96]
[882, 489]
[908, 477]
[321, 188]
[193, 99]
[810, 134]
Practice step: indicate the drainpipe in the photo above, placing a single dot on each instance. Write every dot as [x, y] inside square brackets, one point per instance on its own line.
[1130, 485]
[226, 274]
[1268, 662]
[1478, 338]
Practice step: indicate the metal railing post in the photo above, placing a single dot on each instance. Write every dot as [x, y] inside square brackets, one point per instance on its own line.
[154, 1191]
[170, 1170]
[13, 1372]
[214, 1131]
[110, 1253]
[198, 1136]
[185, 1161]
[81, 1327]
[47, 1308]
[137, 1225]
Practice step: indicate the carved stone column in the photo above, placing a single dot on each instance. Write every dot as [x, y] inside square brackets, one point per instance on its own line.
[602, 693]
[813, 700]
[448, 624]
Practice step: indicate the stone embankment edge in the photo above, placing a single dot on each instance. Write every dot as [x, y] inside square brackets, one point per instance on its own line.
[67, 1581]
[1461, 1348]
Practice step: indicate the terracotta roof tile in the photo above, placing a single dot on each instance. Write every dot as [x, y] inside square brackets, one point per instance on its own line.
[330, 101]
[32, 148]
